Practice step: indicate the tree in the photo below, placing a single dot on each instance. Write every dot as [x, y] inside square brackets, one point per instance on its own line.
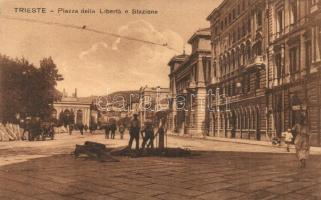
[26, 89]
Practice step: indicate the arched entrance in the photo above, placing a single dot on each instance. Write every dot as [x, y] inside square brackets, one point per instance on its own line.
[79, 117]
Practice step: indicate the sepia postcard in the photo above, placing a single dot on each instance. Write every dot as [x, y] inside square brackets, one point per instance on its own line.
[160, 99]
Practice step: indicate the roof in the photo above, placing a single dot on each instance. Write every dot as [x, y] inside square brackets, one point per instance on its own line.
[179, 58]
[216, 9]
[199, 33]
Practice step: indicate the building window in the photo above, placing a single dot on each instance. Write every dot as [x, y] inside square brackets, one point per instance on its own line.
[294, 59]
[259, 48]
[293, 11]
[222, 25]
[249, 25]
[248, 84]
[229, 18]
[308, 56]
[259, 18]
[280, 21]
[233, 88]
[278, 65]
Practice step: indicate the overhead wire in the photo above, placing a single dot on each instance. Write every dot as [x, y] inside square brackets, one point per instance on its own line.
[85, 28]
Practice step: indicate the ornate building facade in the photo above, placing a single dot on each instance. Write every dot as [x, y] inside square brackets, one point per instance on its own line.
[239, 57]
[189, 75]
[265, 70]
[72, 105]
[294, 68]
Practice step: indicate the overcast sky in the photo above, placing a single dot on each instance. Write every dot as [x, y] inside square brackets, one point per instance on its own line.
[95, 63]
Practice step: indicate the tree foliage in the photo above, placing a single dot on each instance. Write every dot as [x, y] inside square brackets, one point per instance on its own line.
[26, 89]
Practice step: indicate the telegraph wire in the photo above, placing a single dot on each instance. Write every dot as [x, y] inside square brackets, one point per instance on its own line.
[85, 28]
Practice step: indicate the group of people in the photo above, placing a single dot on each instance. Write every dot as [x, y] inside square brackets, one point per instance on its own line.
[147, 133]
[110, 129]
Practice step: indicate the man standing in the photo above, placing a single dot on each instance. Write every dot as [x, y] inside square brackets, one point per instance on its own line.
[107, 130]
[149, 136]
[113, 128]
[81, 128]
[134, 132]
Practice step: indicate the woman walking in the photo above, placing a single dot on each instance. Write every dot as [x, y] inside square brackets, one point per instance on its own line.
[302, 140]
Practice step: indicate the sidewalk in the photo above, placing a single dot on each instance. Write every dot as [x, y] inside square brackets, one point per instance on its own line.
[314, 150]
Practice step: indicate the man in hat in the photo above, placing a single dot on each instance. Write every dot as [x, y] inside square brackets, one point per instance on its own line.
[134, 130]
[149, 135]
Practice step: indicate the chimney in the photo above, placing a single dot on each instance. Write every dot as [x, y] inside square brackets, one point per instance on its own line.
[76, 92]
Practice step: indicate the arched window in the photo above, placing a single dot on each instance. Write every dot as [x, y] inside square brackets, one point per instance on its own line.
[242, 54]
[259, 48]
[228, 63]
[233, 60]
[248, 51]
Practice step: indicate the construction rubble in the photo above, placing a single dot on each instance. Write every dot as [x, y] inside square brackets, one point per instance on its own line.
[99, 152]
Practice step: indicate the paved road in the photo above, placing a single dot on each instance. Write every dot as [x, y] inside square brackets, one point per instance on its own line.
[46, 170]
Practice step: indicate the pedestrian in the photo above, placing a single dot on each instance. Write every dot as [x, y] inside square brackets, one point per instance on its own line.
[302, 140]
[121, 130]
[92, 127]
[71, 128]
[26, 128]
[86, 128]
[81, 128]
[113, 129]
[149, 136]
[134, 132]
[161, 136]
[288, 138]
[107, 130]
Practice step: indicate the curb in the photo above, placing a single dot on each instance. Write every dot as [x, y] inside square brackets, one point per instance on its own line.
[243, 141]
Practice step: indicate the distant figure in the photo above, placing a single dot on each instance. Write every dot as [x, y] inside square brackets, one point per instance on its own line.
[134, 132]
[288, 138]
[86, 128]
[149, 136]
[107, 130]
[92, 128]
[302, 141]
[161, 137]
[121, 130]
[71, 128]
[26, 128]
[81, 128]
[35, 128]
[113, 129]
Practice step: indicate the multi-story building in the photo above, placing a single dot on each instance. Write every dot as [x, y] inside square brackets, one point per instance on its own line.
[265, 71]
[153, 104]
[294, 65]
[189, 75]
[238, 103]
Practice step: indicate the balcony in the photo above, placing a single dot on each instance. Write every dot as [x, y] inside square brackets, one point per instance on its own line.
[257, 61]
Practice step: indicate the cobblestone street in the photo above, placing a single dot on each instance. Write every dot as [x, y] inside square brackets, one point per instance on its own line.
[223, 170]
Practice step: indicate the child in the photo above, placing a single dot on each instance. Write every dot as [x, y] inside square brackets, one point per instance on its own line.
[287, 138]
